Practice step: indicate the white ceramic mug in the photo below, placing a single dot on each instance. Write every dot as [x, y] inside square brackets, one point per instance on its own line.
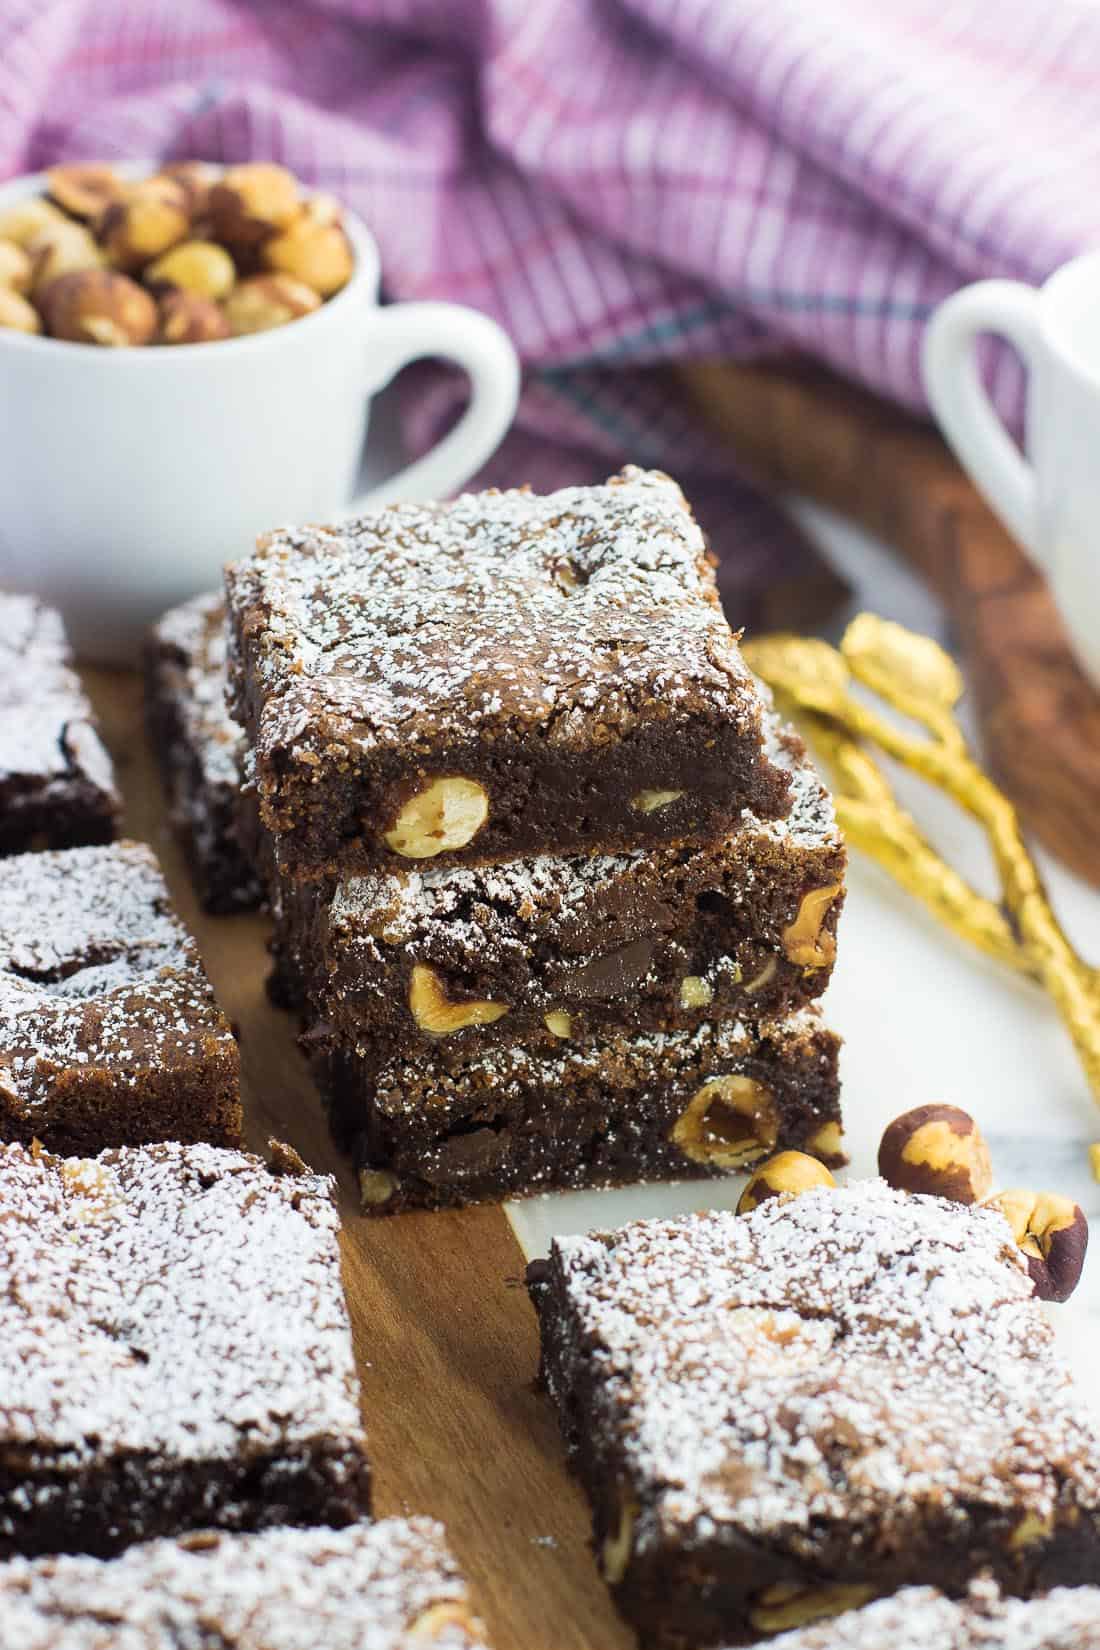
[129, 477]
[1050, 500]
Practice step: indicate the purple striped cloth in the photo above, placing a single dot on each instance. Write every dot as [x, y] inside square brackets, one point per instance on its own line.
[624, 184]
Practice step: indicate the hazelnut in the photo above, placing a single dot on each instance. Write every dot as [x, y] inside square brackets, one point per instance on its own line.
[84, 191]
[185, 318]
[828, 1143]
[565, 575]
[16, 314]
[195, 179]
[1094, 1160]
[448, 1618]
[446, 814]
[61, 249]
[1053, 1234]
[98, 306]
[647, 802]
[938, 1150]
[201, 267]
[695, 992]
[266, 301]
[559, 1023]
[789, 1604]
[787, 1175]
[93, 1186]
[376, 1187]
[803, 940]
[317, 253]
[765, 976]
[436, 1014]
[618, 1543]
[729, 1122]
[152, 217]
[26, 219]
[249, 203]
[15, 267]
[1031, 1531]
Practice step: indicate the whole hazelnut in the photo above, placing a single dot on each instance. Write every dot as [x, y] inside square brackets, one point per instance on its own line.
[266, 301]
[786, 1175]
[249, 203]
[201, 267]
[16, 314]
[83, 191]
[1052, 1233]
[26, 219]
[98, 306]
[150, 218]
[938, 1150]
[188, 318]
[60, 249]
[195, 178]
[317, 253]
[15, 267]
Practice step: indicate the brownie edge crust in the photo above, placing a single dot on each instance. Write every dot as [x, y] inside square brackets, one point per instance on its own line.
[175, 1350]
[811, 1405]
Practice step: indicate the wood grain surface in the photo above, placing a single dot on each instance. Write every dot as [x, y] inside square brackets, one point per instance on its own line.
[797, 429]
[445, 1337]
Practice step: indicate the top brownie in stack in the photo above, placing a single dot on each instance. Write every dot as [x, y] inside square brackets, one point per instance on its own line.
[57, 787]
[505, 675]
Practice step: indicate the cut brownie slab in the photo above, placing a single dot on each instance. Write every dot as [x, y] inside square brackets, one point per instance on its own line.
[109, 1030]
[812, 1404]
[57, 786]
[197, 744]
[175, 1350]
[504, 675]
[658, 939]
[922, 1618]
[466, 1124]
[387, 1586]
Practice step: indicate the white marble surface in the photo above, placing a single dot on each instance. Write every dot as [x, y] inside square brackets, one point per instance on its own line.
[925, 1019]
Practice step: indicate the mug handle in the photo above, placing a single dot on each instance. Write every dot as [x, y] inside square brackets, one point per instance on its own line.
[404, 332]
[964, 410]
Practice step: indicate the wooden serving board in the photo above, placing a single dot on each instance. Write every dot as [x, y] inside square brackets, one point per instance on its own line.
[445, 1337]
[795, 428]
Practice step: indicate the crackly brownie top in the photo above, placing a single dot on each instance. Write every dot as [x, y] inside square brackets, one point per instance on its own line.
[581, 610]
[922, 1618]
[362, 1588]
[47, 730]
[855, 1354]
[95, 968]
[625, 1059]
[490, 906]
[192, 636]
[180, 1300]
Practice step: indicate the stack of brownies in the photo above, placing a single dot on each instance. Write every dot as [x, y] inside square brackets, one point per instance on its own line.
[554, 891]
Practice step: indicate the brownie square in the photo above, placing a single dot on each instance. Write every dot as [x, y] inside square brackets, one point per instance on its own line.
[57, 786]
[827, 1399]
[923, 1618]
[505, 675]
[175, 1351]
[197, 744]
[655, 939]
[387, 1586]
[467, 1124]
[109, 1030]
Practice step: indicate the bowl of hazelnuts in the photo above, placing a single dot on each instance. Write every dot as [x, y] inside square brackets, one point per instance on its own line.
[182, 255]
[188, 354]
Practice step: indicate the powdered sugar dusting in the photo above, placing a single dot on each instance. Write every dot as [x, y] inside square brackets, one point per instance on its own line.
[362, 1588]
[920, 1618]
[96, 972]
[48, 743]
[195, 631]
[509, 607]
[852, 1357]
[175, 1300]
